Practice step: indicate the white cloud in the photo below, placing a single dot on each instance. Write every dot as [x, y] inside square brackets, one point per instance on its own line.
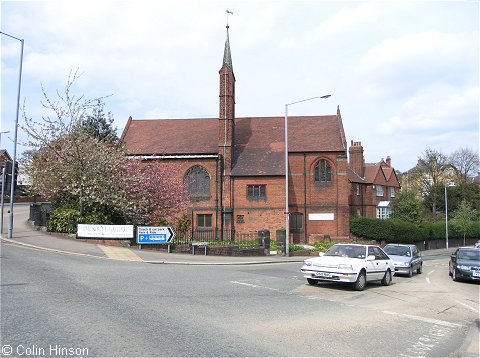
[404, 65]
[403, 80]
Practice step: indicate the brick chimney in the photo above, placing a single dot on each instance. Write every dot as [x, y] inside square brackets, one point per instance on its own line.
[356, 159]
[388, 161]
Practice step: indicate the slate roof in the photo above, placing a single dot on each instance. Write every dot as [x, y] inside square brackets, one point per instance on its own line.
[259, 142]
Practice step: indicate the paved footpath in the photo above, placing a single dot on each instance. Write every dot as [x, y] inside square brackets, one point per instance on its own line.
[25, 234]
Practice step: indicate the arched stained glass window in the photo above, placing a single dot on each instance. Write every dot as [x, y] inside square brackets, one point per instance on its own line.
[197, 181]
[323, 172]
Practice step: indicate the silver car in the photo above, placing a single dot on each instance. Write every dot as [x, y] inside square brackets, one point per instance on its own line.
[406, 258]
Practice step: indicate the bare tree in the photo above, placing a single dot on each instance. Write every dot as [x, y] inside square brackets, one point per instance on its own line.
[465, 163]
[430, 172]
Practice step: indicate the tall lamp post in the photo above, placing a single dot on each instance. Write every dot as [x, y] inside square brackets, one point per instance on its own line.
[446, 213]
[2, 132]
[14, 157]
[287, 214]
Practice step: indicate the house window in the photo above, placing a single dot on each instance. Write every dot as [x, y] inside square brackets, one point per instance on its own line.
[379, 190]
[296, 222]
[197, 182]
[257, 192]
[357, 189]
[383, 213]
[392, 192]
[383, 210]
[323, 172]
[204, 221]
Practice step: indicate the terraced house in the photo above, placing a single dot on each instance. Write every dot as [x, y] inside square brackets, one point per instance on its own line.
[234, 168]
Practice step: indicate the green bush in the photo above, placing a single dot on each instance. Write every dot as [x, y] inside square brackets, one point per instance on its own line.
[322, 246]
[393, 230]
[95, 218]
[66, 219]
[63, 220]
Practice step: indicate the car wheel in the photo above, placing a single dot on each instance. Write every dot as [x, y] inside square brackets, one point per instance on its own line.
[410, 271]
[387, 279]
[311, 281]
[361, 281]
[454, 275]
[419, 269]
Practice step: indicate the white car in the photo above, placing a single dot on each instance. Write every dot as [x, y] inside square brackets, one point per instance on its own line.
[350, 263]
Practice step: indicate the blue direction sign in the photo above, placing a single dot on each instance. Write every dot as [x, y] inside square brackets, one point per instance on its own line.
[155, 234]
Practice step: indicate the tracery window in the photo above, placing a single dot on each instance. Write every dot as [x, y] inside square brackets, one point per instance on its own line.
[197, 182]
[323, 172]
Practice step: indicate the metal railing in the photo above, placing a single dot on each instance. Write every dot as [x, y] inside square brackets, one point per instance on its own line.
[214, 238]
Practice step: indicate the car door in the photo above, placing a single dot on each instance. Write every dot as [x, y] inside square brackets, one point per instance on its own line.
[374, 266]
[416, 258]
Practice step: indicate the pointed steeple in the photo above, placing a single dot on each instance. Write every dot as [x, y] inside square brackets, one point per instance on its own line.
[227, 55]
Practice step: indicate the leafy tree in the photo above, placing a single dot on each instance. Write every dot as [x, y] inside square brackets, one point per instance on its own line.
[407, 207]
[100, 124]
[466, 163]
[463, 216]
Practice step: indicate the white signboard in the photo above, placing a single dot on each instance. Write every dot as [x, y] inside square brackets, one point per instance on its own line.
[105, 231]
[321, 217]
[154, 234]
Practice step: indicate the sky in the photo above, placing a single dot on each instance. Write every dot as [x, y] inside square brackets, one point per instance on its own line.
[405, 74]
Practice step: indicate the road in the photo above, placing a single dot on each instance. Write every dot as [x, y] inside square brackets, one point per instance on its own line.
[54, 303]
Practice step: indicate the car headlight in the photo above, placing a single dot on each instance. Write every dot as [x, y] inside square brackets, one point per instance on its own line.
[307, 263]
[345, 267]
[463, 267]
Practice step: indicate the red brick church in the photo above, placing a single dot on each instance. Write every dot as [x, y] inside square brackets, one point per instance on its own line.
[234, 168]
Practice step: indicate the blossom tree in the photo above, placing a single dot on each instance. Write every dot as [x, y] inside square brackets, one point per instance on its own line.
[155, 193]
[77, 166]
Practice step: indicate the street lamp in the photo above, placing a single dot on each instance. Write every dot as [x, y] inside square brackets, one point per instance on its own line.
[1, 137]
[287, 214]
[446, 213]
[14, 157]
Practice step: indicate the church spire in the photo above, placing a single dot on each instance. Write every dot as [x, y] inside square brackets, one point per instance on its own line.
[227, 55]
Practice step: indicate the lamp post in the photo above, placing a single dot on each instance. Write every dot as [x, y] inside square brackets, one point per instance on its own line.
[15, 139]
[4, 132]
[446, 213]
[287, 214]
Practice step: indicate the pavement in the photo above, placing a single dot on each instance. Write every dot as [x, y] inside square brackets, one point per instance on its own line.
[25, 234]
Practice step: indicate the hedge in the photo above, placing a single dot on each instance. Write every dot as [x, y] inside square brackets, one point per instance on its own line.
[393, 230]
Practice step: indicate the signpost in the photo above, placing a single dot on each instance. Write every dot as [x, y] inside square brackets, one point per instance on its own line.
[155, 235]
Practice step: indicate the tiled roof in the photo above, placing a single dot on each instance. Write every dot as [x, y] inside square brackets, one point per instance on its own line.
[376, 173]
[259, 142]
[171, 136]
[354, 177]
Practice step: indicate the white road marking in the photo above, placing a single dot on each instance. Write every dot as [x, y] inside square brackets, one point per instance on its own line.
[428, 280]
[427, 341]
[467, 306]
[430, 272]
[424, 319]
[254, 286]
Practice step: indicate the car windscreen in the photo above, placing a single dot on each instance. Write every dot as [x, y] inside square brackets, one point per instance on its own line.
[352, 251]
[473, 255]
[397, 250]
